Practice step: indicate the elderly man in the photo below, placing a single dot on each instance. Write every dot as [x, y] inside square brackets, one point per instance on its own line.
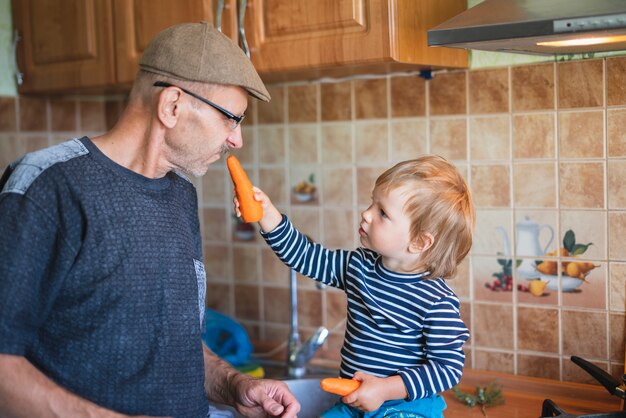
[102, 283]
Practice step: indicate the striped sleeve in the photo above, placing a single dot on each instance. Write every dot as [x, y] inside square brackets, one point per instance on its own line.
[444, 336]
[306, 257]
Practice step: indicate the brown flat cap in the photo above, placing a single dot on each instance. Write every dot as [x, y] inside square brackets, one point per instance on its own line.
[199, 52]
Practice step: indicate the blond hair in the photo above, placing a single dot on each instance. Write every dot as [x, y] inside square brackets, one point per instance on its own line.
[439, 203]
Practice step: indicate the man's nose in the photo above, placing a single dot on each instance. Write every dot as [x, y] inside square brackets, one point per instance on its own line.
[235, 139]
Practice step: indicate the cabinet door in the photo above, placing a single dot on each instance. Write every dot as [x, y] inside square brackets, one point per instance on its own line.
[65, 44]
[137, 21]
[296, 35]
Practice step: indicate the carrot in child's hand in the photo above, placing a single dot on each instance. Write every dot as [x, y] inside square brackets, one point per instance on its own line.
[339, 386]
[251, 209]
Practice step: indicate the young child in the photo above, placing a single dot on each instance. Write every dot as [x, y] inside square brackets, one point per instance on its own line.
[404, 336]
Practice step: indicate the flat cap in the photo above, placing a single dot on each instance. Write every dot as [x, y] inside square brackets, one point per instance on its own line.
[199, 52]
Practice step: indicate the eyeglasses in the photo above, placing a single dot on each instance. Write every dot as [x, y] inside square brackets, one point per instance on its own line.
[235, 120]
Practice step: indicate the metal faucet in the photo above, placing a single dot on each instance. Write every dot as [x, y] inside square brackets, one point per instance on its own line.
[298, 354]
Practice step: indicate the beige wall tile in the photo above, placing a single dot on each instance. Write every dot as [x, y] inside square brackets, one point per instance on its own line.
[216, 262]
[494, 361]
[580, 83]
[493, 326]
[573, 373]
[408, 96]
[617, 290]
[214, 225]
[337, 144]
[303, 144]
[534, 185]
[272, 145]
[370, 98]
[490, 185]
[588, 226]
[8, 116]
[460, 283]
[305, 173]
[92, 116]
[448, 138]
[617, 338]
[112, 111]
[409, 139]
[277, 333]
[336, 101]
[337, 186]
[10, 150]
[489, 138]
[581, 185]
[538, 366]
[245, 264]
[218, 297]
[616, 134]
[616, 81]
[581, 134]
[214, 184]
[273, 183]
[336, 308]
[34, 142]
[309, 308]
[536, 329]
[248, 152]
[372, 144]
[340, 229]
[307, 220]
[617, 232]
[63, 115]
[33, 114]
[487, 238]
[302, 103]
[532, 87]
[584, 333]
[533, 136]
[273, 270]
[448, 94]
[489, 91]
[365, 180]
[247, 302]
[616, 184]
[274, 111]
[276, 308]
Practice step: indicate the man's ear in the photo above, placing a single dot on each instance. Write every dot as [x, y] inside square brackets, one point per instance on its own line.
[422, 243]
[168, 106]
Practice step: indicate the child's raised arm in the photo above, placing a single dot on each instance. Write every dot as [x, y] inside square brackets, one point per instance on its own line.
[271, 216]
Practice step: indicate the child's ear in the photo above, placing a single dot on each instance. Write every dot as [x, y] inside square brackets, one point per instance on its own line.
[422, 243]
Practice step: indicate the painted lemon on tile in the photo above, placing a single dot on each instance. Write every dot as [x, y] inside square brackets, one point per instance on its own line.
[536, 287]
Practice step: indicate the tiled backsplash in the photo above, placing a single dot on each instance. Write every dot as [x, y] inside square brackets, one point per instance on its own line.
[543, 147]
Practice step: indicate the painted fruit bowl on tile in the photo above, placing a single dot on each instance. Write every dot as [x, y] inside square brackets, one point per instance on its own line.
[569, 284]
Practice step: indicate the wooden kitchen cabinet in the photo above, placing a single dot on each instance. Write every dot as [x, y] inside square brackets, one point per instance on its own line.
[300, 39]
[70, 46]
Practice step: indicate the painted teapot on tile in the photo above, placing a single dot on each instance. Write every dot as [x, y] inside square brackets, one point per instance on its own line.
[528, 244]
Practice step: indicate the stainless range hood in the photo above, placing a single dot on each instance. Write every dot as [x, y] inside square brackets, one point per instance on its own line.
[541, 27]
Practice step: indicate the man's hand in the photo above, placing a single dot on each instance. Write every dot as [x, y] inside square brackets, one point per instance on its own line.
[262, 397]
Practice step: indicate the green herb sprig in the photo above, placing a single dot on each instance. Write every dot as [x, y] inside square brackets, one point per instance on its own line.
[490, 395]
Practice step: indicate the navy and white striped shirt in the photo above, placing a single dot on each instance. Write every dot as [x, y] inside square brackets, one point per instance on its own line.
[398, 324]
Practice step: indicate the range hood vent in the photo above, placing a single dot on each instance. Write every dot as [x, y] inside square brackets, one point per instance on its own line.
[538, 27]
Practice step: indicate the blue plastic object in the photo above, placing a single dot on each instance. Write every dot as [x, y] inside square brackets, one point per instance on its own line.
[226, 338]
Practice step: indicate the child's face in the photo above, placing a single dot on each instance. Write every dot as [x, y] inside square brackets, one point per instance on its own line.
[385, 228]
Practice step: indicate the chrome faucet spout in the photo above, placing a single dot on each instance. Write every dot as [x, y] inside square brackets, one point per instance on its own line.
[299, 354]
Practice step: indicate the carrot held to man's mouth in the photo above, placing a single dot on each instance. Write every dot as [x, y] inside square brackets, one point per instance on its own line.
[251, 209]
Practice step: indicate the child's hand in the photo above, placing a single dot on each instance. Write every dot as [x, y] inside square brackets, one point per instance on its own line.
[374, 391]
[271, 215]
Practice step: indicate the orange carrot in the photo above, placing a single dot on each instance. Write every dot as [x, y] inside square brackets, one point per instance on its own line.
[339, 386]
[251, 209]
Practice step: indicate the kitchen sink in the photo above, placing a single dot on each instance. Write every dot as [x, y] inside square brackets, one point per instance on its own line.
[313, 400]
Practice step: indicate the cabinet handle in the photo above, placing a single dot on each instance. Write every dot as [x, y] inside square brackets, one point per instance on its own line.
[218, 15]
[19, 76]
[241, 14]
